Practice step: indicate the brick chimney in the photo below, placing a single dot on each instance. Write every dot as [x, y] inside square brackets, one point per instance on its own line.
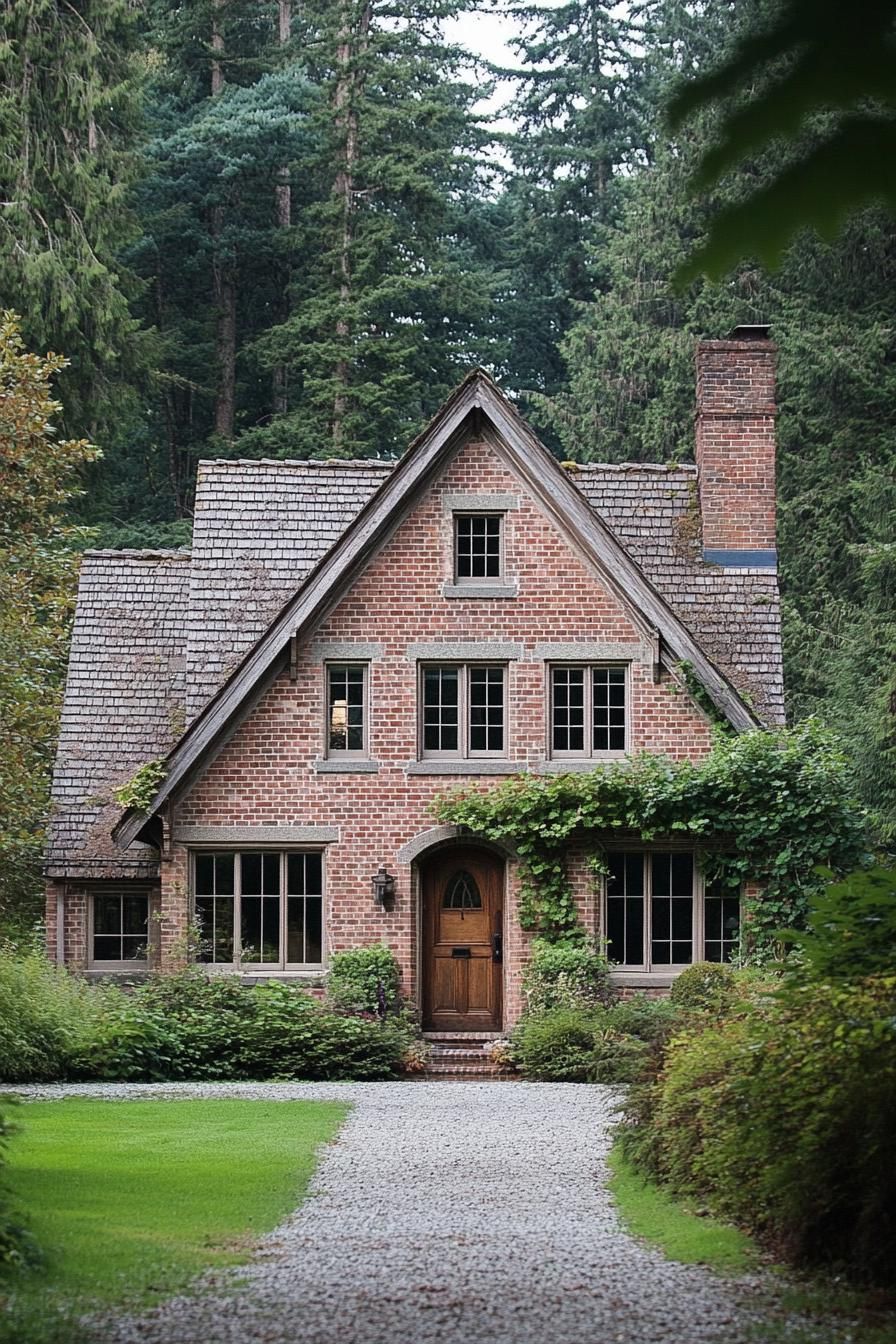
[736, 447]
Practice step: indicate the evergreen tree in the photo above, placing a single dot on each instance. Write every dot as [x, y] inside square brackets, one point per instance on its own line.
[69, 118]
[392, 301]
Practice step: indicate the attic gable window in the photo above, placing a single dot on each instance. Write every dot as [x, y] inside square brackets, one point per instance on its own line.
[478, 547]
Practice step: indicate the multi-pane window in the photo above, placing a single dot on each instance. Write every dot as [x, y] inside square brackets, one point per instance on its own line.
[588, 710]
[120, 927]
[654, 918]
[477, 546]
[259, 908]
[463, 710]
[346, 709]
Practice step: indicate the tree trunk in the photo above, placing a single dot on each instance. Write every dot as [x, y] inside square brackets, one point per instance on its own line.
[351, 45]
[223, 276]
[283, 205]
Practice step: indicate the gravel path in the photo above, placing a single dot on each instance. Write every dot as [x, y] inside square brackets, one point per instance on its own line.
[458, 1212]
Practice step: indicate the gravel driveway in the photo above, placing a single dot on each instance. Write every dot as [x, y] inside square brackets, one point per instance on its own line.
[458, 1212]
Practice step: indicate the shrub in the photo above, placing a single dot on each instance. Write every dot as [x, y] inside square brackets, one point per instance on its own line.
[556, 1046]
[45, 1016]
[707, 985]
[616, 1057]
[364, 980]
[650, 1020]
[781, 1119]
[193, 1026]
[567, 975]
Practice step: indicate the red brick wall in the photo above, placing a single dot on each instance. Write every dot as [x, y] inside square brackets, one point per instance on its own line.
[265, 774]
[736, 443]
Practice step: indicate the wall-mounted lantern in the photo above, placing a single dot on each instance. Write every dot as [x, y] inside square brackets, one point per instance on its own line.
[383, 886]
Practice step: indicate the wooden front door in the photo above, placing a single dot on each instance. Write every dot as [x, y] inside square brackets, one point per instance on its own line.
[462, 941]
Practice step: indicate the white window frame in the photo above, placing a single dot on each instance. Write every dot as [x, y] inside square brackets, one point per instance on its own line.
[463, 752]
[477, 579]
[104, 964]
[347, 754]
[588, 668]
[698, 924]
[262, 967]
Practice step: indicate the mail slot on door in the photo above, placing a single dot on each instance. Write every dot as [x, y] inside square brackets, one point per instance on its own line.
[460, 952]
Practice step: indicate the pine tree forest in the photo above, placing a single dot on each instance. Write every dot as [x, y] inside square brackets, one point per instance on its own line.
[287, 228]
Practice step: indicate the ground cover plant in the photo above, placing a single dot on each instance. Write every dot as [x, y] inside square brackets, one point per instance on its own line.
[129, 1200]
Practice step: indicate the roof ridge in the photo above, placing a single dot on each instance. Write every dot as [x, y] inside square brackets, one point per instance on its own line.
[344, 462]
[667, 467]
[139, 552]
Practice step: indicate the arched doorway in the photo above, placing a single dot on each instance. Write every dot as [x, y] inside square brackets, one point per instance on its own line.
[462, 944]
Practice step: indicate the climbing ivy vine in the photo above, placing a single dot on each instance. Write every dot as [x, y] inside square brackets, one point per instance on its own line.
[763, 807]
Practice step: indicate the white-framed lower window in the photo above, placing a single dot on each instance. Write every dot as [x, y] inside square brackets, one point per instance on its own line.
[658, 916]
[119, 929]
[260, 908]
[463, 710]
[589, 710]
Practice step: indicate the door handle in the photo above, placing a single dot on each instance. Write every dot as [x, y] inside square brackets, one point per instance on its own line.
[497, 948]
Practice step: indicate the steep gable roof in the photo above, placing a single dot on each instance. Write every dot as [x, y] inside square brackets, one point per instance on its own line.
[123, 704]
[477, 406]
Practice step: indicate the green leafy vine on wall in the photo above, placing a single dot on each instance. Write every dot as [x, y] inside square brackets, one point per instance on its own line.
[762, 807]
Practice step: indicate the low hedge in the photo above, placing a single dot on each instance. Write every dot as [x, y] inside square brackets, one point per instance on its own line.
[187, 1026]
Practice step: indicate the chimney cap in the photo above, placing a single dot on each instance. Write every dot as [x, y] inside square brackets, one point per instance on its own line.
[757, 332]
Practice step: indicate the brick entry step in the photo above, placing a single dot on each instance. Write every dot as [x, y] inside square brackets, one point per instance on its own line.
[461, 1054]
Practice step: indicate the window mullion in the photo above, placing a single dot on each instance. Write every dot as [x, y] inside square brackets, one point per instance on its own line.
[588, 699]
[648, 910]
[463, 711]
[238, 910]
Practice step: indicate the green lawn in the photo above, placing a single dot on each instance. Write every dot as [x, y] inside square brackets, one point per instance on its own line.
[129, 1200]
[648, 1212]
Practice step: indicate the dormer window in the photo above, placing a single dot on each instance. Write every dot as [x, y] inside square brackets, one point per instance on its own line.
[478, 547]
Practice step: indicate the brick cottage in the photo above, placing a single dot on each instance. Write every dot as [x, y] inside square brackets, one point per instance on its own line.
[347, 640]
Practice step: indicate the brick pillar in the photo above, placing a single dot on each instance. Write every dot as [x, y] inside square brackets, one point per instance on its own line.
[736, 447]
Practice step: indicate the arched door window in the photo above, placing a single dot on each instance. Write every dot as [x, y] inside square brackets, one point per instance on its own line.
[462, 892]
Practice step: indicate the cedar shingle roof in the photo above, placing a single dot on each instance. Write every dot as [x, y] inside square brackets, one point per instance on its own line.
[260, 527]
[123, 704]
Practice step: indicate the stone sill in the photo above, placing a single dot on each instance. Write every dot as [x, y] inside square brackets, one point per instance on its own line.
[578, 765]
[645, 979]
[477, 766]
[335, 765]
[480, 590]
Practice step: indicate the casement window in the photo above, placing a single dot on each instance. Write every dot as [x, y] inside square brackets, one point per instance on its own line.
[478, 547]
[657, 915]
[120, 928]
[259, 908]
[347, 709]
[463, 710]
[589, 710]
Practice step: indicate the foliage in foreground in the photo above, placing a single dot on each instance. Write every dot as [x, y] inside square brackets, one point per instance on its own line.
[763, 806]
[187, 1026]
[774, 1107]
[38, 478]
